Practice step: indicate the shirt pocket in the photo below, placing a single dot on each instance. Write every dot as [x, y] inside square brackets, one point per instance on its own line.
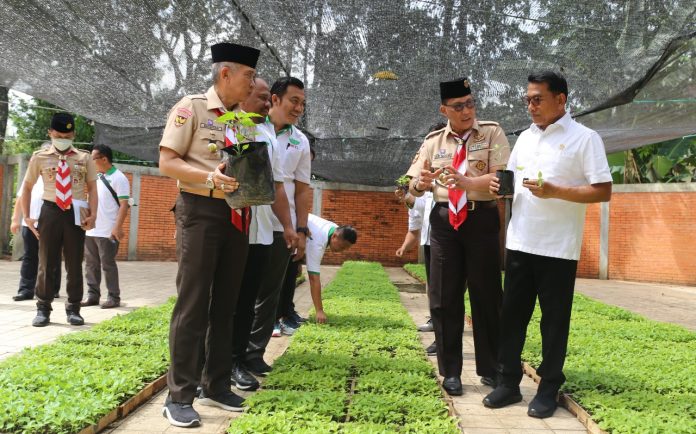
[78, 173]
[291, 159]
[478, 162]
[560, 163]
[48, 174]
[206, 138]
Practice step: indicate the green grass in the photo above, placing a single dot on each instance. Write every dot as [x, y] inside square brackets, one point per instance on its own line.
[70, 384]
[631, 373]
[363, 372]
[417, 271]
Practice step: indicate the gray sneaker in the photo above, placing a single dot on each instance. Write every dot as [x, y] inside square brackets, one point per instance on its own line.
[426, 327]
[180, 414]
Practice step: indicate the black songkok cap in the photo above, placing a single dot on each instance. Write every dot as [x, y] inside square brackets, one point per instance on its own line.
[454, 89]
[228, 52]
[63, 122]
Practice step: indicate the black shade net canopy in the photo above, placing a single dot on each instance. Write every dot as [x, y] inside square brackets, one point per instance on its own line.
[371, 67]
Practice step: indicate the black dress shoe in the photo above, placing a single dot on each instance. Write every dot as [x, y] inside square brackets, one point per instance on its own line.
[89, 302]
[489, 381]
[257, 367]
[502, 396]
[42, 318]
[542, 406]
[243, 379]
[453, 386]
[74, 318]
[432, 349]
[22, 296]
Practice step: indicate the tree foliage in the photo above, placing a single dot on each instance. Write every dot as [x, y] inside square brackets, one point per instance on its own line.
[32, 119]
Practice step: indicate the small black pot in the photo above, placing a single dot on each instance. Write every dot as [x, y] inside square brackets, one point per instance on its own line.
[506, 179]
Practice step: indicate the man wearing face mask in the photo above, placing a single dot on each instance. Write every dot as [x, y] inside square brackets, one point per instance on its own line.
[464, 229]
[69, 178]
[211, 239]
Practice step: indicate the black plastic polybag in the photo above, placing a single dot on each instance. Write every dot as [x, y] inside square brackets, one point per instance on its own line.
[252, 169]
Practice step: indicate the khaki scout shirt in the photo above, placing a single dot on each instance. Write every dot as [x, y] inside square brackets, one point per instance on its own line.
[487, 150]
[191, 128]
[44, 163]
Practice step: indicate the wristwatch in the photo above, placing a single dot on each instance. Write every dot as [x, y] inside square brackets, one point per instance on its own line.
[303, 230]
[415, 186]
[209, 181]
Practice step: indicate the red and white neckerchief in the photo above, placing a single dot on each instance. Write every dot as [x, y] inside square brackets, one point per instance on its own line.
[241, 218]
[64, 183]
[457, 198]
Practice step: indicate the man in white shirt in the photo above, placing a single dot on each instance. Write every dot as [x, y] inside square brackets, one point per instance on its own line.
[260, 237]
[288, 102]
[559, 167]
[419, 209]
[324, 234]
[30, 259]
[102, 242]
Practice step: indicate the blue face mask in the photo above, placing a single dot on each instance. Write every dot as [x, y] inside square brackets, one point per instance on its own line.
[62, 144]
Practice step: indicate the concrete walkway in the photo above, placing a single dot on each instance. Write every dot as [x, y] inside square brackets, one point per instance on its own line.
[142, 284]
[665, 303]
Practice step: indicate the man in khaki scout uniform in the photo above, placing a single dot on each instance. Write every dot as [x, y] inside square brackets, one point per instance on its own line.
[211, 249]
[69, 178]
[464, 231]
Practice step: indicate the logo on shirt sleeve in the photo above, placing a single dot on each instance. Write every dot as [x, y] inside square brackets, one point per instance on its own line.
[182, 114]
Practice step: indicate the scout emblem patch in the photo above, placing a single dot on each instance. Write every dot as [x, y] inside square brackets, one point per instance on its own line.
[480, 165]
[182, 114]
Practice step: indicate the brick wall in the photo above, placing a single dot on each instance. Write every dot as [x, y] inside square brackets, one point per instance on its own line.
[156, 222]
[380, 220]
[588, 266]
[652, 237]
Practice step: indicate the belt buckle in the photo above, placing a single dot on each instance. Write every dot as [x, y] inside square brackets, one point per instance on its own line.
[471, 205]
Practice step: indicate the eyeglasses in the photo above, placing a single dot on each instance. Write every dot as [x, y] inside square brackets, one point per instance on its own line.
[533, 100]
[460, 106]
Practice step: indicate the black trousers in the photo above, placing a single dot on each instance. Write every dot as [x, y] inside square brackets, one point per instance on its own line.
[469, 257]
[254, 272]
[286, 306]
[266, 304]
[59, 235]
[30, 265]
[553, 281]
[212, 255]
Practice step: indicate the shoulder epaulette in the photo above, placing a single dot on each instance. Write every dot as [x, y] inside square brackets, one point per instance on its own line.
[83, 151]
[433, 133]
[197, 96]
[495, 124]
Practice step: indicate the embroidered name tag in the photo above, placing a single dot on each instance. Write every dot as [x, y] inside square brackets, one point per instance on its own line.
[211, 125]
[478, 146]
[442, 153]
